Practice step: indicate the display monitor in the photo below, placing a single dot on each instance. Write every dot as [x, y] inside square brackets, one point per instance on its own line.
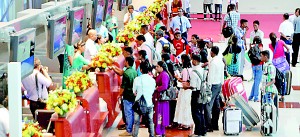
[121, 4]
[98, 12]
[76, 19]
[22, 46]
[56, 35]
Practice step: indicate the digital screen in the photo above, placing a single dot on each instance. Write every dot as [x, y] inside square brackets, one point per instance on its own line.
[59, 34]
[100, 12]
[77, 26]
[27, 66]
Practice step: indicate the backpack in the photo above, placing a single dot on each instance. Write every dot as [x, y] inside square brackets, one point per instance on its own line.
[279, 80]
[254, 55]
[205, 90]
[168, 44]
[155, 55]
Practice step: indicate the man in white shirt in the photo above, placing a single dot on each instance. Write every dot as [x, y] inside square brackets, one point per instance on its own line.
[90, 46]
[256, 31]
[292, 17]
[161, 42]
[142, 45]
[234, 2]
[103, 31]
[286, 30]
[215, 79]
[36, 85]
[197, 108]
[4, 120]
[144, 85]
[147, 35]
[130, 15]
[181, 23]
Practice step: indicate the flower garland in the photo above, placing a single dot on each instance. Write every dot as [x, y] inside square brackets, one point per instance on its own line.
[31, 129]
[145, 18]
[113, 49]
[62, 101]
[78, 82]
[106, 54]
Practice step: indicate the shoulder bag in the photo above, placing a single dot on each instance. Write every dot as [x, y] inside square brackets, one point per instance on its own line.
[140, 106]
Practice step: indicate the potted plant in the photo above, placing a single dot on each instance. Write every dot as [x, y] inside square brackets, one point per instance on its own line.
[62, 101]
[78, 82]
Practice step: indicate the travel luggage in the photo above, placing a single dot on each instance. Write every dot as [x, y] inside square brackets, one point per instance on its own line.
[269, 117]
[234, 85]
[232, 121]
[288, 79]
[250, 117]
[43, 118]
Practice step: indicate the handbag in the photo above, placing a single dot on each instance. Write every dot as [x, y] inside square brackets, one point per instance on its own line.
[280, 63]
[228, 57]
[169, 94]
[228, 30]
[140, 106]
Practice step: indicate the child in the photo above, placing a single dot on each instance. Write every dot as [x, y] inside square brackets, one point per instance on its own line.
[269, 74]
[180, 43]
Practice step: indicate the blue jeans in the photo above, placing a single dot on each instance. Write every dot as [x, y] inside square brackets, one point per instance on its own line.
[150, 126]
[218, 11]
[198, 114]
[267, 98]
[257, 72]
[212, 110]
[129, 114]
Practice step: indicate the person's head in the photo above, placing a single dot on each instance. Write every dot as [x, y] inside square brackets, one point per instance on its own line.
[130, 8]
[255, 25]
[214, 51]
[158, 17]
[144, 29]
[257, 40]
[129, 61]
[161, 66]
[165, 57]
[186, 61]
[297, 12]
[177, 35]
[231, 7]
[140, 39]
[159, 33]
[127, 52]
[273, 37]
[180, 12]
[244, 23]
[145, 67]
[196, 59]
[265, 55]
[80, 46]
[37, 63]
[166, 49]
[286, 16]
[201, 43]
[98, 39]
[142, 55]
[163, 28]
[194, 38]
[92, 34]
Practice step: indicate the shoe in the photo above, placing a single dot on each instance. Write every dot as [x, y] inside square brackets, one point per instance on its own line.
[250, 99]
[209, 130]
[193, 135]
[125, 134]
[205, 19]
[281, 99]
[257, 100]
[122, 127]
[293, 65]
[203, 134]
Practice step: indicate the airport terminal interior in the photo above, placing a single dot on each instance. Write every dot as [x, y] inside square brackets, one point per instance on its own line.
[45, 29]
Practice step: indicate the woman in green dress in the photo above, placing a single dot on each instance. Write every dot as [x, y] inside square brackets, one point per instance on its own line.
[68, 61]
[79, 62]
[158, 19]
[112, 25]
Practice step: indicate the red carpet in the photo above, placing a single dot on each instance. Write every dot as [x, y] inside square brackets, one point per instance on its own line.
[268, 23]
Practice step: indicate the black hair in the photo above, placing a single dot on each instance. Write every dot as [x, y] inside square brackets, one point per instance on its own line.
[196, 36]
[144, 27]
[273, 38]
[297, 9]
[286, 16]
[265, 53]
[130, 60]
[143, 53]
[230, 7]
[158, 15]
[164, 28]
[165, 57]
[166, 49]
[144, 67]
[141, 37]
[257, 40]
[256, 22]
[128, 49]
[201, 43]
[243, 21]
[186, 61]
[87, 31]
[235, 49]
[79, 44]
[215, 50]
[196, 57]
[165, 68]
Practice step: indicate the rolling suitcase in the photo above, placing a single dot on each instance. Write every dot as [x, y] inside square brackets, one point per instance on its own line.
[234, 85]
[250, 117]
[288, 79]
[269, 117]
[43, 118]
[232, 121]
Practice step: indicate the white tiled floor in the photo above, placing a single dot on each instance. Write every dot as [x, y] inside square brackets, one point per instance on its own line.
[289, 119]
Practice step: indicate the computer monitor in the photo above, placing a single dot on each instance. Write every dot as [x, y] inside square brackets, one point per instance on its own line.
[56, 35]
[76, 16]
[98, 12]
[22, 46]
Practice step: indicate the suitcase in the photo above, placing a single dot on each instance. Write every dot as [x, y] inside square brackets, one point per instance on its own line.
[232, 121]
[250, 117]
[43, 118]
[288, 79]
[234, 85]
[269, 117]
